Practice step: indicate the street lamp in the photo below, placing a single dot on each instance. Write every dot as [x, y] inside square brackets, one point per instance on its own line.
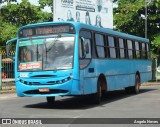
[147, 2]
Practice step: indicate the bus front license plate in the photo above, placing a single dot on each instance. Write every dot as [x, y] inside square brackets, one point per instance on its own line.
[44, 90]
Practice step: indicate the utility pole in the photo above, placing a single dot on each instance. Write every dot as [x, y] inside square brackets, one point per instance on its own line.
[147, 2]
[146, 16]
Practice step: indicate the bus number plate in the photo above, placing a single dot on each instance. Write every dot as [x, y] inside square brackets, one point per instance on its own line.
[44, 90]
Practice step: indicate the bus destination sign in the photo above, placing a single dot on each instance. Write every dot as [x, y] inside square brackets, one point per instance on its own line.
[45, 30]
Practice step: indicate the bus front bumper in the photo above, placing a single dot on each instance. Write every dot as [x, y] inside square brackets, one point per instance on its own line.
[66, 89]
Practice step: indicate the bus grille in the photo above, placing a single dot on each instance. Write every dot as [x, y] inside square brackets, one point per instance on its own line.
[50, 92]
[47, 83]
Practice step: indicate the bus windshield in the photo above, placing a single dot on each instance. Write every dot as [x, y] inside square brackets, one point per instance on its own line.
[54, 53]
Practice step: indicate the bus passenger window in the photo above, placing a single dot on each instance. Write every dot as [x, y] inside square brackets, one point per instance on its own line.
[143, 51]
[130, 49]
[100, 45]
[148, 52]
[138, 55]
[112, 49]
[121, 46]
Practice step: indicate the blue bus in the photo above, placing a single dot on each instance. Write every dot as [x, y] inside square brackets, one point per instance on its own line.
[69, 59]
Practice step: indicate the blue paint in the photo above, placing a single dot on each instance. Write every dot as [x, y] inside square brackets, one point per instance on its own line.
[118, 73]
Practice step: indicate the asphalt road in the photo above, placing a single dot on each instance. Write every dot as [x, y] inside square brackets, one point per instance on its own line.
[116, 104]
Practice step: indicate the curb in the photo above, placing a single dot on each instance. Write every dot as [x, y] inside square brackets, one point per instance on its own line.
[151, 84]
[7, 91]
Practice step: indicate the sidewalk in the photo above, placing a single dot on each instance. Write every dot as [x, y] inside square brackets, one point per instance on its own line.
[7, 96]
[9, 89]
[152, 83]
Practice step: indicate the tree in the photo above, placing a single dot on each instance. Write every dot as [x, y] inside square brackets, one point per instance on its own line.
[129, 18]
[7, 31]
[24, 13]
[15, 15]
[44, 3]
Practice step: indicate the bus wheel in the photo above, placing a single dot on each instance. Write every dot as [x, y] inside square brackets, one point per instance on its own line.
[136, 88]
[50, 100]
[97, 96]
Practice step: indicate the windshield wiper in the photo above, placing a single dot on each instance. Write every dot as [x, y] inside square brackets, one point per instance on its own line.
[37, 51]
[52, 43]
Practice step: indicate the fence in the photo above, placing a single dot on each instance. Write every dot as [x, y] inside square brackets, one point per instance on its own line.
[7, 81]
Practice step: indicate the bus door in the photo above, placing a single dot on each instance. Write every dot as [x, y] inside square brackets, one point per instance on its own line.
[86, 66]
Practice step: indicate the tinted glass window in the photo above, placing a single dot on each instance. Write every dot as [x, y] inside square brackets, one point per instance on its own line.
[111, 47]
[138, 55]
[130, 47]
[99, 39]
[143, 51]
[148, 52]
[100, 45]
[121, 46]
[84, 49]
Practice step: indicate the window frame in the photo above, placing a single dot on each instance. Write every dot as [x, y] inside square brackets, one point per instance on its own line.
[121, 48]
[102, 46]
[91, 47]
[114, 47]
[127, 40]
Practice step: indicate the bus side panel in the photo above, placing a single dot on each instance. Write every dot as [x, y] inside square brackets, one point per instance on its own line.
[88, 79]
[144, 67]
[116, 72]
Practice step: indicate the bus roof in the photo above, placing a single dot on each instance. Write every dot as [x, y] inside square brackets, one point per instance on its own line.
[85, 26]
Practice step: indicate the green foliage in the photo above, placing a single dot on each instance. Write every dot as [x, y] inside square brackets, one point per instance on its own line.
[24, 13]
[7, 31]
[156, 44]
[44, 3]
[129, 18]
[15, 15]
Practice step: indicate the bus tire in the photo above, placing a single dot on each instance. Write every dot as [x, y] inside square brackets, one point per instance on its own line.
[136, 88]
[50, 100]
[97, 96]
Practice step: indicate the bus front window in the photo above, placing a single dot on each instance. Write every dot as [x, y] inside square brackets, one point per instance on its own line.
[46, 54]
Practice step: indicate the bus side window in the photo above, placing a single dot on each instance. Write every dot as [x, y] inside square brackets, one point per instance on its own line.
[112, 49]
[100, 45]
[143, 51]
[130, 49]
[121, 46]
[138, 55]
[148, 52]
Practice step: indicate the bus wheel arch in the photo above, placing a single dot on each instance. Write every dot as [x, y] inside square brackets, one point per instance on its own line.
[101, 89]
[137, 83]
[136, 88]
[103, 81]
[138, 74]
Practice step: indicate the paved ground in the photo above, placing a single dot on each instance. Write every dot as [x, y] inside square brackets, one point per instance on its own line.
[116, 104]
